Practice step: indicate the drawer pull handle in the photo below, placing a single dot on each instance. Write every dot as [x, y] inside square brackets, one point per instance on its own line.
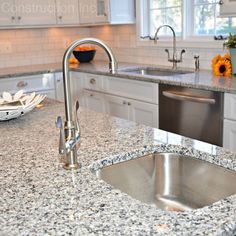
[92, 81]
[129, 104]
[22, 84]
[124, 102]
[91, 95]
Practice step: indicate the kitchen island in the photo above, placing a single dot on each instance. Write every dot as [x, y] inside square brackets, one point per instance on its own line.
[39, 197]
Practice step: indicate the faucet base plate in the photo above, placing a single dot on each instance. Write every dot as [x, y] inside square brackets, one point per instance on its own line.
[72, 166]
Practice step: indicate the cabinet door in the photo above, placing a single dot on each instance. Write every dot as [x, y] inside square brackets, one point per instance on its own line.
[7, 14]
[116, 106]
[143, 113]
[86, 11]
[94, 101]
[102, 11]
[67, 12]
[59, 87]
[230, 106]
[36, 12]
[229, 135]
[227, 8]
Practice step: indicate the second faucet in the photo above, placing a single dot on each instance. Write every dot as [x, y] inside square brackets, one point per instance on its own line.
[174, 58]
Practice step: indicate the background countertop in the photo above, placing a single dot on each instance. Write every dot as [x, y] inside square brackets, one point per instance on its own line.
[201, 80]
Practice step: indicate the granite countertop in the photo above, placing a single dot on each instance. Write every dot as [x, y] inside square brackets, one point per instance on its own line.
[202, 79]
[38, 197]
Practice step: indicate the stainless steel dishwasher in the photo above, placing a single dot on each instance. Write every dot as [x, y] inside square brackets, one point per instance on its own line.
[194, 113]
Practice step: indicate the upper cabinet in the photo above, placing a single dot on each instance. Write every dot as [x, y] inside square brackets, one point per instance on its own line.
[227, 8]
[35, 12]
[41, 13]
[94, 12]
[7, 15]
[67, 12]
[27, 13]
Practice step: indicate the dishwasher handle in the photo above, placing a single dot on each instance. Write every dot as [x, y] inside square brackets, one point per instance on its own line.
[187, 97]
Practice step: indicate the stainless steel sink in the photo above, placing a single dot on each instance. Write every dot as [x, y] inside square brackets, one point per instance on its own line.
[170, 181]
[157, 71]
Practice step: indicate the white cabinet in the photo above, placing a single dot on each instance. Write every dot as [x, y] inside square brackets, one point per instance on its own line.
[139, 112]
[144, 113]
[76, 86]
[43, 84]
[229, 136]
[227, 8]
[117, 106]
[7, 16]
[94, 101]
[102, 11]
[123, 98]
[106, 11]
[93, 11]
[35, 12]
[59, 86]
[67, 12]
[139, 90]
[28, 13]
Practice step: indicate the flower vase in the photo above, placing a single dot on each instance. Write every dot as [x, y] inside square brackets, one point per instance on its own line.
[233, 60]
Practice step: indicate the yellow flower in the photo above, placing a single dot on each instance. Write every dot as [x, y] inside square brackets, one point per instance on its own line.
[222, 68]
[215, 60]
[227, 57]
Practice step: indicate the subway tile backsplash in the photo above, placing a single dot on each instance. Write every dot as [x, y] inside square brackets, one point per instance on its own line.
[41, 46]
[37, 46]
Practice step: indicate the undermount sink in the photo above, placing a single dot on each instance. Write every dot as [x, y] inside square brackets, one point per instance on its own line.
[157, 71]
[170, 181]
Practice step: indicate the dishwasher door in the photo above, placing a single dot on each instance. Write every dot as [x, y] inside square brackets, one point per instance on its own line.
[193, 113]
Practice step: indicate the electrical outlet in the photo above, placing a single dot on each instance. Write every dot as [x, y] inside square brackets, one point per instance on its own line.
[5, 47]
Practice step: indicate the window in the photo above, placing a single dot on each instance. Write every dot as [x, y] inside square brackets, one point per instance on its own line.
[166, 12]
[206, 21]
[189, 18]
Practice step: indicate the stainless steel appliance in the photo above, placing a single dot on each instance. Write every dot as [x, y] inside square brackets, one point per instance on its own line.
[194, 113]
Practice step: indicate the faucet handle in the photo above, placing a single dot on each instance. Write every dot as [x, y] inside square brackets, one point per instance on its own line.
[62, 144]
[167, 51]
[181, 54]
[197, 63]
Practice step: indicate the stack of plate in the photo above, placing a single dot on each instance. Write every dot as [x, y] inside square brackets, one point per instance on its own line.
[17, 105]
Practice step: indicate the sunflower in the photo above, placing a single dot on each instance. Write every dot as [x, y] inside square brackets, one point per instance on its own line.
[222, 68]
[215, 60]
[227, 57]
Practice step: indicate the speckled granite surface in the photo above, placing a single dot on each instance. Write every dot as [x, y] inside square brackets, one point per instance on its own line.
[201, 80]
[38, 197]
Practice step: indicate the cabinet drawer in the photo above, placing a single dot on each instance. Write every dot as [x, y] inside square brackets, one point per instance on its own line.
[230, 106]
[35, 83]
[138, 90]
[92, 82]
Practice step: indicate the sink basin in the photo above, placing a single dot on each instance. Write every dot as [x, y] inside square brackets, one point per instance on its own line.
[170, 181]
[157, 71]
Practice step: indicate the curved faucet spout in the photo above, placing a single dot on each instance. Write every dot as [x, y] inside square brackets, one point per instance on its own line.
[71, 130]
[66, 74]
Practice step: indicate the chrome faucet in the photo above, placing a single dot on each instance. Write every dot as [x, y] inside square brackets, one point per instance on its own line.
[174, 58]
[70, 133]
